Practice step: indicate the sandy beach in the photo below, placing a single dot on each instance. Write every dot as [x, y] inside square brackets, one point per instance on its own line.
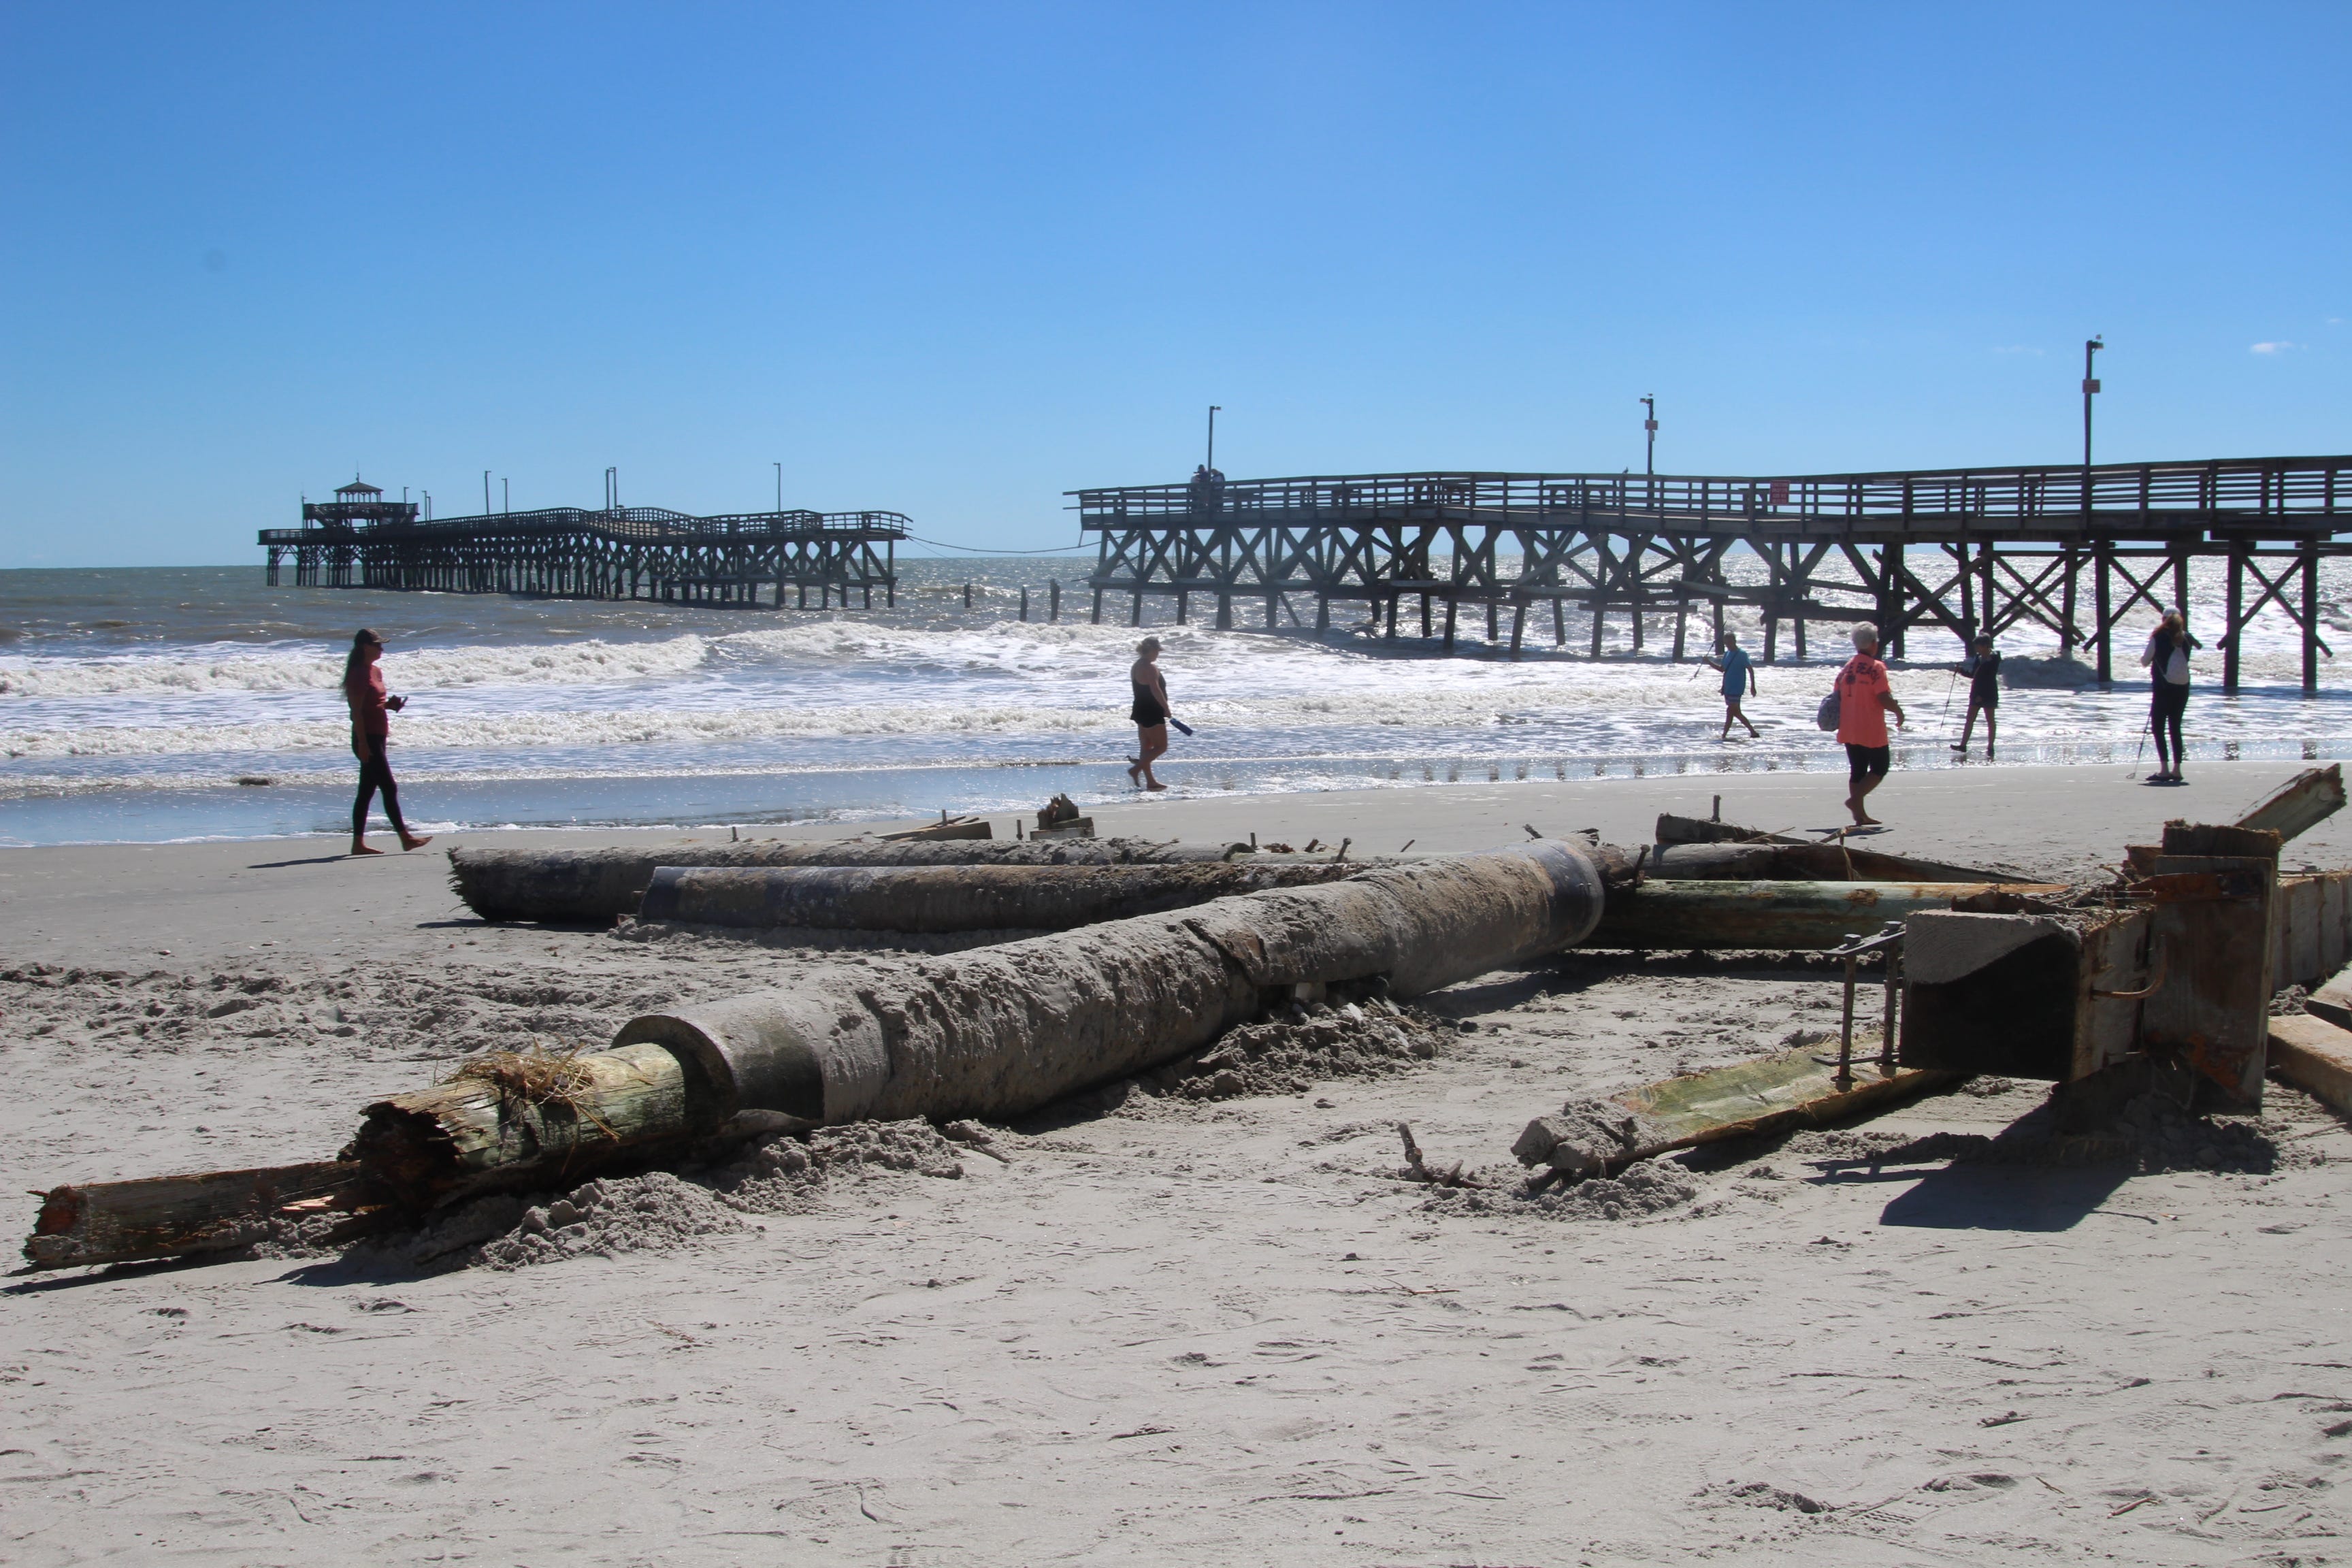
[1159, 1329]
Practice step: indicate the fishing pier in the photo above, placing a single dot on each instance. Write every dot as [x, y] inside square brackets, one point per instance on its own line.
[359, 540]
[2074, 549]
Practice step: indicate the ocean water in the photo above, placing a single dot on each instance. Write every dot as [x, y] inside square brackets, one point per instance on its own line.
[132, 702]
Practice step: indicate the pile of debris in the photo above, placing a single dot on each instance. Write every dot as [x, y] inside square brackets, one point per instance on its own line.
[1223, 983]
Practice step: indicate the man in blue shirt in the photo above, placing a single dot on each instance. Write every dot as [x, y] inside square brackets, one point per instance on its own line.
[1739, 682]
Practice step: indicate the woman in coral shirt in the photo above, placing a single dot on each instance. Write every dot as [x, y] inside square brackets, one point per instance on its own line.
[1863, 703]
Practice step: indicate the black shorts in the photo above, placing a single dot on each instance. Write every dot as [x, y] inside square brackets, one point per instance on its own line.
[1866, 762]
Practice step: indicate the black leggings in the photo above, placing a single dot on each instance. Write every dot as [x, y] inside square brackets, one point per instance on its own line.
[2164, 709]
[375, 774]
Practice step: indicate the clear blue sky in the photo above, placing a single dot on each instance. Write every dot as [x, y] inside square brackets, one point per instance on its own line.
[956, 260]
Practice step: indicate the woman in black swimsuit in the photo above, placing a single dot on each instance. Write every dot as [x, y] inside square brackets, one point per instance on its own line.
[1149, 712]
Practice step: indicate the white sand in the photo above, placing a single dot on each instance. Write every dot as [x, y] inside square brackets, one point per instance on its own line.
[1178, 1332]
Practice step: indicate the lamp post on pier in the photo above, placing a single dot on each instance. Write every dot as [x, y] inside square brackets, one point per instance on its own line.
[2090, 390]
[1650, 432]
[2105, 634]
[1211, 464]
[780, 487]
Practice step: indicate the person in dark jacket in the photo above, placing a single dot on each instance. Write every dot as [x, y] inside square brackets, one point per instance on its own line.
[2167, 658]
[371, 732]
[1982, 666]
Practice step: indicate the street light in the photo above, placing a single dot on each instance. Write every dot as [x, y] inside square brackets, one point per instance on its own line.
[1211, 464]
[506, 495]
[485, 492]
[1650, 428]
[780, 487]
[2090, 390]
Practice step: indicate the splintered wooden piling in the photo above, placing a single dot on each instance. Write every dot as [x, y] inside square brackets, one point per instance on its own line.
[521, 1112]
[172, 1216]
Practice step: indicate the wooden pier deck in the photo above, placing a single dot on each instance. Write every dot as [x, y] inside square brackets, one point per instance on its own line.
[2010, 546]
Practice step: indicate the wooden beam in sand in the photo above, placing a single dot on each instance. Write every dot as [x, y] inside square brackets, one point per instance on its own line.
[2316, 1056]
[1794, 1088]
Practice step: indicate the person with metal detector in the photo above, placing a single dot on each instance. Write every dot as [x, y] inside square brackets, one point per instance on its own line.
[1982, 666]
[1149, 713]
[2167, 658]
[1739, 682]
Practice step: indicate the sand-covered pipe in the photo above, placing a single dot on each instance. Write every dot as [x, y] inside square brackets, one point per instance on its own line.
[1783, 915]
[1002, 1030]
[956, 898]
[595, 885]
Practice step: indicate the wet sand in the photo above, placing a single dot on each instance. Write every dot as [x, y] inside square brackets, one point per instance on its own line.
[1172, 1330]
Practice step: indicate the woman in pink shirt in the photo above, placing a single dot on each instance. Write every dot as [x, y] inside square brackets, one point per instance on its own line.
[370, 729]
[1863, 703]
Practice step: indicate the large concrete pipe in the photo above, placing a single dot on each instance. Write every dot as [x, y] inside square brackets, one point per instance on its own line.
[956, 898]
[597, 885]
[1003, 1030]
[1787, 916]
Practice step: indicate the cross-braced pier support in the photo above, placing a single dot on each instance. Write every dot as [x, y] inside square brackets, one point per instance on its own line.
[1959, 551]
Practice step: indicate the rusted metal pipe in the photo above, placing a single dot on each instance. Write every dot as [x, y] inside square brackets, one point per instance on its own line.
[1775, 915]
[1799, 862]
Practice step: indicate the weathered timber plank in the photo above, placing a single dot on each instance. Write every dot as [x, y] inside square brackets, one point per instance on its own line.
[2314, 1054]
[1792, 1087]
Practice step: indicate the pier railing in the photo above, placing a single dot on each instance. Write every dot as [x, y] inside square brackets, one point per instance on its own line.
[2279, 496]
